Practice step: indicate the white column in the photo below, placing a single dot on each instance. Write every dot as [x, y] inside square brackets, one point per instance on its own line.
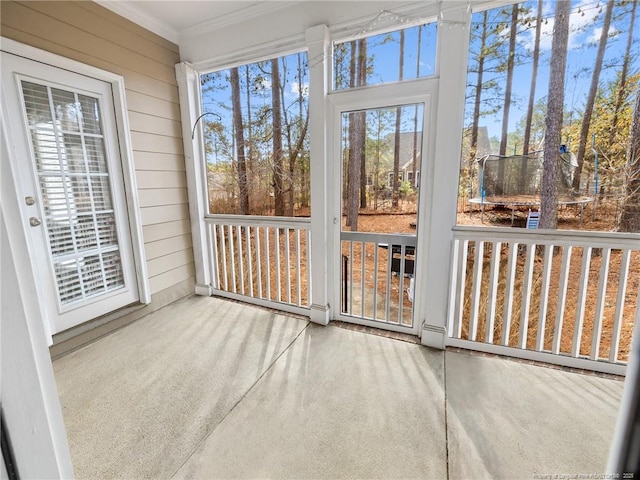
[317, 39]
[189, 94]
[441, 204]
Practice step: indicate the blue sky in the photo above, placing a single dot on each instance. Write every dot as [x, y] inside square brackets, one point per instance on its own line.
[585, 31]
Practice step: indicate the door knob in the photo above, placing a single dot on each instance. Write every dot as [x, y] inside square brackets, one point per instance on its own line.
[34, 222]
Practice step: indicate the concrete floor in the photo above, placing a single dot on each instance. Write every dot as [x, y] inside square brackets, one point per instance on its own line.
[207, 388]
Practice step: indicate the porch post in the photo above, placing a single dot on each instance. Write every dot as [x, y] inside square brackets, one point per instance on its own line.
[317, 39]
[442, 202]
[189, 94]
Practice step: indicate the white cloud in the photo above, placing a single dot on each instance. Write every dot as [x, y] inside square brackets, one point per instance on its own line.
[295, 88]
[581, 27]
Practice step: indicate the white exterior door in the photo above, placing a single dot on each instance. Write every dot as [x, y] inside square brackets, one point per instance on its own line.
[66, 165]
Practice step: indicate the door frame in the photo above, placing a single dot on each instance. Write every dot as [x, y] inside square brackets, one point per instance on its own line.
[125, 152]
[425, 91]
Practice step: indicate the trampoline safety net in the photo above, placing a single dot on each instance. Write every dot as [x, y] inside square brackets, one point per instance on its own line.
[519, 175]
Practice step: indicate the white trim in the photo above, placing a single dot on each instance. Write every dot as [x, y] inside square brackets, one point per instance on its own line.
[129, 11]
[546, 357]
[124, 140]
[317, 39]
[195, 163]
[29, 396]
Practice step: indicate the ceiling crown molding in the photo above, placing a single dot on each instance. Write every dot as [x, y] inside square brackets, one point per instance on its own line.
[142, 18]
[258, 9]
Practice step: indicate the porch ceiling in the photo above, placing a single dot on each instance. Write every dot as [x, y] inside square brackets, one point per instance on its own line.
[207, 388]
[172, 19]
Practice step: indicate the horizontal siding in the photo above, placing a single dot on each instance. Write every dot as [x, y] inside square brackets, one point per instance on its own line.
[148, 142]
[166, 246]
[41, 24]
[143, 103]
[168, 196]
[163, 214]
[143, 123]
[171, 277]
[91, 34]
[159, 265]
[158, 162]
[114, 19]
[160, 231]
[85, 20]
[161, 179]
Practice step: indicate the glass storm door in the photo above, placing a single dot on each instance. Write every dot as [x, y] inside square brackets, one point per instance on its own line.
[62, 128]
[380, 160]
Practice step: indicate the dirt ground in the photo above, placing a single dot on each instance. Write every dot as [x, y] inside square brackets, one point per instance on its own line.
[572, 217]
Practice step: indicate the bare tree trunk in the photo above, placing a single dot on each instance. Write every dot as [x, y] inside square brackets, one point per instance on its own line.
[591, 97]
[351, 196]
[396, 146]
[507, 96]
[532, 95]
[623, 76]
[239, 139]
[414, 153]
[249, 146]
[362, 122]
[629, 220]
[553, 120]
[278, 181]
[478, 88]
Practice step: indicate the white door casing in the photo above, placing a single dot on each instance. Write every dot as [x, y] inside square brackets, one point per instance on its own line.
[72, 159]
[421, 91]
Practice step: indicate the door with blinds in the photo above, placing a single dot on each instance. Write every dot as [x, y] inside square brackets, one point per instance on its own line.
[69, 177]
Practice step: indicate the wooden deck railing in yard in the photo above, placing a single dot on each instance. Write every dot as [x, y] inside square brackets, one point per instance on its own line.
[263, 260]
[564, 297]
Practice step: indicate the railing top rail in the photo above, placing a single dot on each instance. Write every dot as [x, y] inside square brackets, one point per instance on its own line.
[555, 237]
[258, 220]
[395, 238]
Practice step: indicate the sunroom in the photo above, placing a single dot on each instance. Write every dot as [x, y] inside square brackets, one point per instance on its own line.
[309, 165]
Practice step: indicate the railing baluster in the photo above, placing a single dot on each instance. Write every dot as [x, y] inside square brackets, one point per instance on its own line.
[462, 279]
[351, 277]
[249, 258]
[215, 266]
[622, 290]
[232, 254]
[401, 283]
[362, 280]
[278, 266]
[224, 257]
[600, 303]
[308, 257]
[478, 260]
[526, 296]
[239, 229]
[267, 259]
[508, 300]
[375, 280]
[259, 261]
[562, 298]
[287, 254]
[388, 283]
[298, 282]
[493, 290]
[582, 297]
[544, 296]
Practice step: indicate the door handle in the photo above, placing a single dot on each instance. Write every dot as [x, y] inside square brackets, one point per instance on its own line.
[34, 222]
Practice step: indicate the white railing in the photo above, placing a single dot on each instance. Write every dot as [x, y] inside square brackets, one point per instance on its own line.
[261, 260]
[377, 269]
[564, 297]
